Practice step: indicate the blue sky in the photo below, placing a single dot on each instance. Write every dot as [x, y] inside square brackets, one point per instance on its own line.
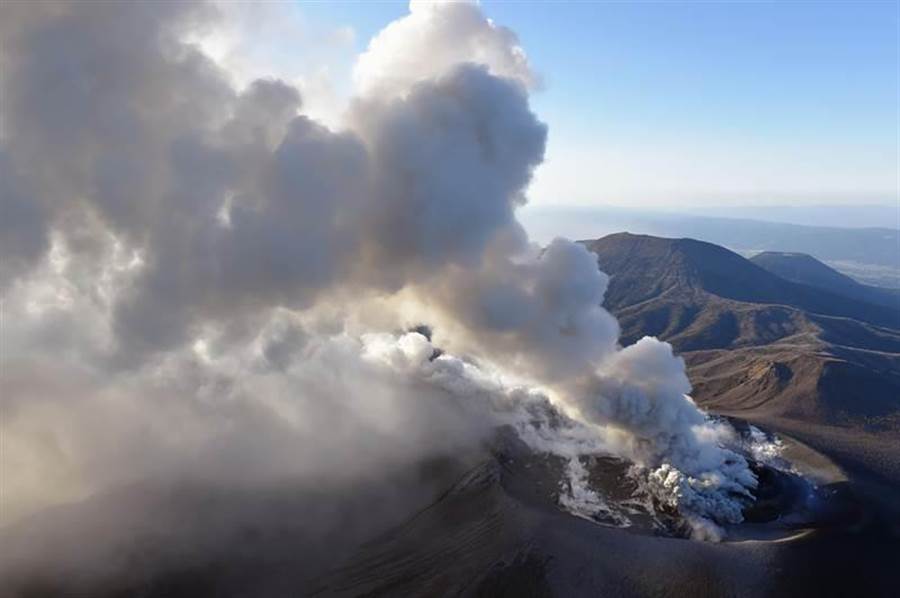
[651, 103]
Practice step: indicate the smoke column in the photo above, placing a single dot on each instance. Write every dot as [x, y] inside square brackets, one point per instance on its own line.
[200, 280]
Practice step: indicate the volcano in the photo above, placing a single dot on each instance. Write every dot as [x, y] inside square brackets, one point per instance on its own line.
[501, 522]
[507, 519]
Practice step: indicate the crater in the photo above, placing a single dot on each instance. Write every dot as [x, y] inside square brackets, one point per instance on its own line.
[799, 490]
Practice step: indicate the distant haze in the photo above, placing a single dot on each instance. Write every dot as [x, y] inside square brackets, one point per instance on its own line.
[862, 242]
[845, 215]
[849, 215]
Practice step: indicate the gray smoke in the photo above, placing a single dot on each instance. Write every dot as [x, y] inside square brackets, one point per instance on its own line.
[198, 278]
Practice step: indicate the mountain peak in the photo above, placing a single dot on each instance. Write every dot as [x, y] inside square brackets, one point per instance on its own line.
[803, 268]
[657, 266]
[678, 265]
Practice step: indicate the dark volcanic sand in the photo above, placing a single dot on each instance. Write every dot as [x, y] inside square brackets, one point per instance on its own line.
[497, 531]
[516, 543]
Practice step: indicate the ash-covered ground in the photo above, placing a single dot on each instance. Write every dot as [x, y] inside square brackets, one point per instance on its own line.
[503, 520]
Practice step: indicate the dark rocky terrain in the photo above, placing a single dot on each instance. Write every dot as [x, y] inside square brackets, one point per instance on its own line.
[487, 524]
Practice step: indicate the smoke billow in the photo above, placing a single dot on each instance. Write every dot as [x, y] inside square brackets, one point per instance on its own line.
[199, 281]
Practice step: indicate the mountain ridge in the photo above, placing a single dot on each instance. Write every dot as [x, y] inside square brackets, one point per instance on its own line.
[754, 343]
[804, 269]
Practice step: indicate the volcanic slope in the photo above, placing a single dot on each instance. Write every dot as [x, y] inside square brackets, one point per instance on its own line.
[756, 344]
[490, 524]
[806, 361]
[805, 269]
[493, 528]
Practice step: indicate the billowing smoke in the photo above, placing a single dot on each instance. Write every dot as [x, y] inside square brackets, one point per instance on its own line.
[200, 281]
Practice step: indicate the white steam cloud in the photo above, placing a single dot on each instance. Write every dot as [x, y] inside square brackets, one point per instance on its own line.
[434, 38]
[199, 280]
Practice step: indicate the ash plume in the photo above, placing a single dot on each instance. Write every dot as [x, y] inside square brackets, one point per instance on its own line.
[201, 282]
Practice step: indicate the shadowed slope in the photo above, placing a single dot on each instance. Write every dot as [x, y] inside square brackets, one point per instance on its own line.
[805, 269]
